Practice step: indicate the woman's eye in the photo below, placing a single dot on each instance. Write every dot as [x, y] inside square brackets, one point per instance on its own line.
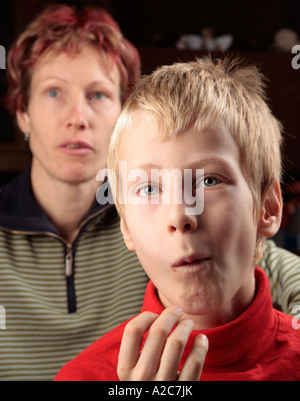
[98, 96]
[53, 93]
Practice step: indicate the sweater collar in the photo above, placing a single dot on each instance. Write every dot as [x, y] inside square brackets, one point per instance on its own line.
[19, 211]
[237, 345]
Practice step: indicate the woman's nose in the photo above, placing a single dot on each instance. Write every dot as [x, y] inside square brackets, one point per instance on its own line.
[78, 115]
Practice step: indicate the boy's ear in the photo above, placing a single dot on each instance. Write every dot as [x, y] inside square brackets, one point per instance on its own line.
[271, 212]
[23, 121]
[126, 235]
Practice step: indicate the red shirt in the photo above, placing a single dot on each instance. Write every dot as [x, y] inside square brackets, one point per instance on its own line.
[260, 345]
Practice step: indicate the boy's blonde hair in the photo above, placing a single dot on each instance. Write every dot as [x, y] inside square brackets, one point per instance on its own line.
[203, 94]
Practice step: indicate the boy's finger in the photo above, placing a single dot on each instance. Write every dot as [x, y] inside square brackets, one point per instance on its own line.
[132, 341]
[150, 357]
[173, 351]
[193, 366]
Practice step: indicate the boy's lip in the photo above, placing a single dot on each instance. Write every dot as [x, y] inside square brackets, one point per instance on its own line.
[190, 260]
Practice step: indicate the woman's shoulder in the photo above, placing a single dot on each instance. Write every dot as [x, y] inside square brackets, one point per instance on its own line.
[13, 193]
[98, 362]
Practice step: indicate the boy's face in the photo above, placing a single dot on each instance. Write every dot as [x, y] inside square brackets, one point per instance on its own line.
[203, 263]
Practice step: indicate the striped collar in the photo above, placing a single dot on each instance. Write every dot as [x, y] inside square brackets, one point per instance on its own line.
[20, 212]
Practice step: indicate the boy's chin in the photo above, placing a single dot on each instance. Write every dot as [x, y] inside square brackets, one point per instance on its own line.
[198, 305]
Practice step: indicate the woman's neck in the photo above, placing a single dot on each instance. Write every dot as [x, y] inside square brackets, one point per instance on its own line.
[65, 204]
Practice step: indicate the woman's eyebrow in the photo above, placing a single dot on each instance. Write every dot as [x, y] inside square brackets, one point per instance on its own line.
[52, 78]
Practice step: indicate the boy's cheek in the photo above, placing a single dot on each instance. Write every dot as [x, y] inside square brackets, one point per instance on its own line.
[126, 235]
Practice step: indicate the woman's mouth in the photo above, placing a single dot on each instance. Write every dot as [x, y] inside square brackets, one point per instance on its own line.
[76, 148]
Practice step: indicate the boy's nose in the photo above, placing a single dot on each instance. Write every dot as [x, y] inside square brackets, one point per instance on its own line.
[180, 221]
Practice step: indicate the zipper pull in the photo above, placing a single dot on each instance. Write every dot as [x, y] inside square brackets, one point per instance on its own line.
[69, 262]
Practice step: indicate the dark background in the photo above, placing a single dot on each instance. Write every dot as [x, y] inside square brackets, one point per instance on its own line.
[154, 26]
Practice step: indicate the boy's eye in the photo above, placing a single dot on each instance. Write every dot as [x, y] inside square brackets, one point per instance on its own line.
[149, 190]
[210, 181]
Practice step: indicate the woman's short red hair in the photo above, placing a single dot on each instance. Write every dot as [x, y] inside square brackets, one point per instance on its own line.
[62, 28]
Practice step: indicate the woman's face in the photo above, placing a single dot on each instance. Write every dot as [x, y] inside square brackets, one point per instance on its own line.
[74, 103]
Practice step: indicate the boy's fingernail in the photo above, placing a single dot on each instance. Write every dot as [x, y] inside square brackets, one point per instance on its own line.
[203, 338]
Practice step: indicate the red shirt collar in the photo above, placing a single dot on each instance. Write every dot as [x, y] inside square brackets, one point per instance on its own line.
[241, 343]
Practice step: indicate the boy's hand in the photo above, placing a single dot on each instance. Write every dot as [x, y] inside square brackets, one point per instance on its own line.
[162, 352]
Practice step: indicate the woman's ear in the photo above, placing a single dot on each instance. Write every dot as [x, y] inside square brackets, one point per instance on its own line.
[271, 212]
[23, 121]
[126, 235]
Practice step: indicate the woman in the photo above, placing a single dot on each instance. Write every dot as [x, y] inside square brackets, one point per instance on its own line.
[64, 268]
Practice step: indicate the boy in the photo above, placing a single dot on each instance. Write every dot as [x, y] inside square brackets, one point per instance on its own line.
[207, 118]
